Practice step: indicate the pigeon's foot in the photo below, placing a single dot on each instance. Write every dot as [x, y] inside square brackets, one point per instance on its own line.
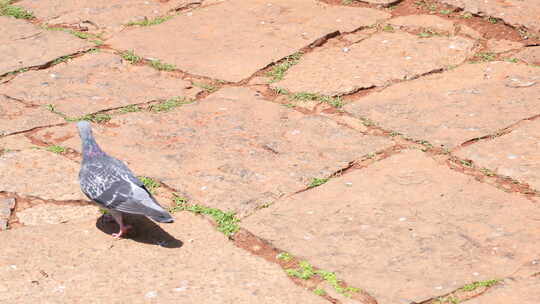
[123, 230]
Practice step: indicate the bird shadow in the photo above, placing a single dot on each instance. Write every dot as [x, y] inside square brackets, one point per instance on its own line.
[143, 231]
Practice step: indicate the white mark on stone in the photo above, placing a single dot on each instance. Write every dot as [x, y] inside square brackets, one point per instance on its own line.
[512, 156]
[402, 219]
[295, 132]
[151, 294]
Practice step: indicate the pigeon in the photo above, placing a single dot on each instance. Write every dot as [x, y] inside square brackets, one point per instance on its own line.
[112, 185]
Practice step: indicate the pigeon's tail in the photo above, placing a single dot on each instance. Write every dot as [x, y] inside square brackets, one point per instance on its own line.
[163, 217]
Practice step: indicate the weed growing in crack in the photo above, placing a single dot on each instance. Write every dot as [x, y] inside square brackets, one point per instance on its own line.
[388, 28]
[205, 86]
[445, 11]
[319, 291]
[170, 104]
[316, 182]
[227, 223]
[61, 59]
[306, 272]
[150, 22]
[131, 57]
[487, 172]
[82, 35]
[96, 117]
[6, 9]
[512, 60]
[130, 109]
[21, 70]
[428, 33]
[280, 91]
[149, 183]
[446, 300]
[466, 163]
[484, 57]
[492, 20]
[347, 2]
[474, 285]
[333, 101]
[161, 66]
[278, 71]
[56, 149]
[466, 15]
[284, 256]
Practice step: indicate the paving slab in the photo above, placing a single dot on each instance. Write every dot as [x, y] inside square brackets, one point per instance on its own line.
[234, 150]
[406, 229]
[96, 82]
[376, 61]
[16, 116]
[36, 172]
[263, 31]
[517, 13]
[43, 214]
[25, 45]
[423, 22]
[77, 263]
[514, 154]
[523, 291]
[101, 15]
[530, 55]
[450, 108]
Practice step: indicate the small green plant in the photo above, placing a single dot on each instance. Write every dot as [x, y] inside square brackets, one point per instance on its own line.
[130, 109]
[388, 28]
[394, 134]
[428, 33]
[158, 65]
[56, 149]
[278, 71]
[474, 285]
[487, 172]
[205, 86]
[285, 256]
[347, 2]
[61, 59]
[512, 60]
[305, 271]
[149, 183]
[149, 22]
[131, 57]
[492, 20]
[169, 104]
[445, 11]
[331, 278]
[485, 56]
[319, 291]
[447, 300]
[281, 91]
[6, 9]
[227, 223]
[21, 70]
[315, 182]
[97, 117]
[466, 15]
[333, 101]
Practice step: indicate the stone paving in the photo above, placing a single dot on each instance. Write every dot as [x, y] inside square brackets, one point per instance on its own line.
[311, 151]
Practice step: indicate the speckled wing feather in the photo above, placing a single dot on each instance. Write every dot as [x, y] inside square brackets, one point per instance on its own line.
[111, 183]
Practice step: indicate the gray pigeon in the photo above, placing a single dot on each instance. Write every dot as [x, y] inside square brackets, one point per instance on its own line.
[110, 183]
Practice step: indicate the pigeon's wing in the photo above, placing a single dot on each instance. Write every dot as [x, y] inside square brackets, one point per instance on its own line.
[115, 187]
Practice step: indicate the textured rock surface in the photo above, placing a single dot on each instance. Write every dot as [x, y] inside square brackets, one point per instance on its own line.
[96, 82]
[54, 214]
[78, 262]
[450, 108]
[233, 150]
[394, 56]
[405, 229]
[16, 116]
[515, 154]
[263, 31]
[25, 45]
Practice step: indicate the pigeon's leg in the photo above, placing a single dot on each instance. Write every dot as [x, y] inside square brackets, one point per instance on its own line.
[123, 228]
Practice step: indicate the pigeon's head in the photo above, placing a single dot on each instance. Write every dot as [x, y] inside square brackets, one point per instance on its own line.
[85, 130]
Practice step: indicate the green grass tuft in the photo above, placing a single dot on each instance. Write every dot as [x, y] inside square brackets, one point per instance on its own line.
[130, 109]
[205, 86]
[169, 104]
[285, 256]
[319, 291]
[278, 71]
[56, 149]
[131, 57]
[160, 66]
[227, 223]
[315, 182]
[474, 285]
[149, 183]
[333, 101]
[6, 9]
[150, 22]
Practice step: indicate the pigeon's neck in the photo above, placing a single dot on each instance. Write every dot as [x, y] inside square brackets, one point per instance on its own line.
[91, 148]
